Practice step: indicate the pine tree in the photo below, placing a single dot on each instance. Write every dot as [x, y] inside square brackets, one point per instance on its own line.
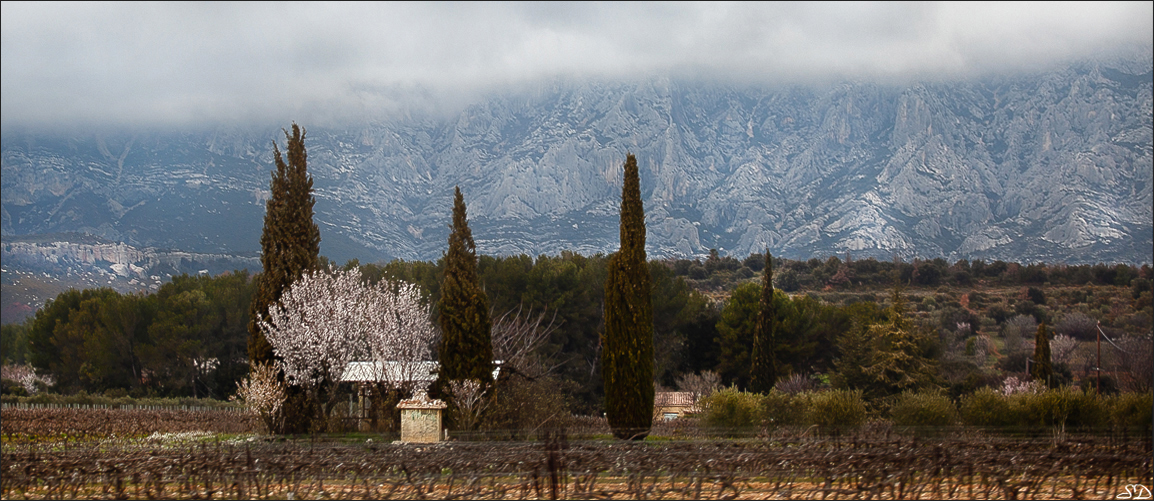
[1043, 369]
[627, 345]
[291, 241]
[897, 362]
[764, 370]
[466, 340]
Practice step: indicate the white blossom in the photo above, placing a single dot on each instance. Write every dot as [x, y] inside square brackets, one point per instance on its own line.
[1013, 386]
[262, 393]
[328, 318]
[1062, 349]
[400, 332]
[28, 378]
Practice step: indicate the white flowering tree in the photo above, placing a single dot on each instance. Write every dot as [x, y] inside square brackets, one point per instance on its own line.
[329, 318]
[262, 394]
[400, 335]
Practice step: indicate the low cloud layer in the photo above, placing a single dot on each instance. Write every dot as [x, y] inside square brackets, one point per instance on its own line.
[181, 63]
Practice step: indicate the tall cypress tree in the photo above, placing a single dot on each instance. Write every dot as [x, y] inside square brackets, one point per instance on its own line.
[627, 345]
[1043, 368]
[291, 241]
[764, 370]
[466, 343]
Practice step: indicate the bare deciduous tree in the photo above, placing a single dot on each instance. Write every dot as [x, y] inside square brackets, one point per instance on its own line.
[469, 402]
[1136, 363]
[1077, 325]
[1016, 330]
[516, 337]
[701, 385]
[796, 383]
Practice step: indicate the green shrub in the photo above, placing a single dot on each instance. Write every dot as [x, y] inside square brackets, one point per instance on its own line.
[784, 409]
[1030, 410]
[12, 387]
[1072, 407]
[987, 407]
[116, 393]
[923, 410]
[1086, 410]
[1065, 406]
[732, 412]
[1132, 410]
[929, 303]
[836, 409]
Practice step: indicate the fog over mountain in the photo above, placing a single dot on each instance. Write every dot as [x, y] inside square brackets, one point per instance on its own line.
[1051, 166]
[321, 63]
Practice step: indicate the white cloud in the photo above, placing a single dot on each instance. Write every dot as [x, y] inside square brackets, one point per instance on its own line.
[191, 62]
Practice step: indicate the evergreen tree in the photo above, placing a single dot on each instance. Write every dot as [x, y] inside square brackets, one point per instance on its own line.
[291, 240]
[854, 347]
[1043, 369]
[764, 371]
[466, 341]
[627, 345]
[897, 362]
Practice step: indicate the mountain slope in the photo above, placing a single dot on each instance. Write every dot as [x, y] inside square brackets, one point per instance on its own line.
[1053, 167]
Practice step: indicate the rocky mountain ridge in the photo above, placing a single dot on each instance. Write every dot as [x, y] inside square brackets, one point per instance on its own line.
[117, 258]
[36, 269]
[1053, 167]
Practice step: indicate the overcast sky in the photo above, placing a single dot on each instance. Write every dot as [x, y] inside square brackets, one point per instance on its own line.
[182, 63]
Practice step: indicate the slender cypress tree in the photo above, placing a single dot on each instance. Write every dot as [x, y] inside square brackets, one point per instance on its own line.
[764, 370]
[1043, 368]
[627, 345]
[466, 343]
[291, 241]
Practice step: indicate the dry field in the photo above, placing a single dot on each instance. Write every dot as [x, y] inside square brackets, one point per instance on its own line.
[207, 464]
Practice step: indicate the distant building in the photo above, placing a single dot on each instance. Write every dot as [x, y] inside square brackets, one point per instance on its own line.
[415, 375]
[404, 376]
[673, 404]
[400, 374]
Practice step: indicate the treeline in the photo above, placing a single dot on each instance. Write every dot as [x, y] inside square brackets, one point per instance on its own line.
[1025, 409]
[187, 339]
[717, 272]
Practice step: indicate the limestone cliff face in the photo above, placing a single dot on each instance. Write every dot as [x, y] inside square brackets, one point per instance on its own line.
[115, 259]
[1054, 166]
[55, 252]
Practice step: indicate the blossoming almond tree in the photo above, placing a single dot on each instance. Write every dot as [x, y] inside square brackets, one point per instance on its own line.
[400, 336]
[329, 318]
[262, 393]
